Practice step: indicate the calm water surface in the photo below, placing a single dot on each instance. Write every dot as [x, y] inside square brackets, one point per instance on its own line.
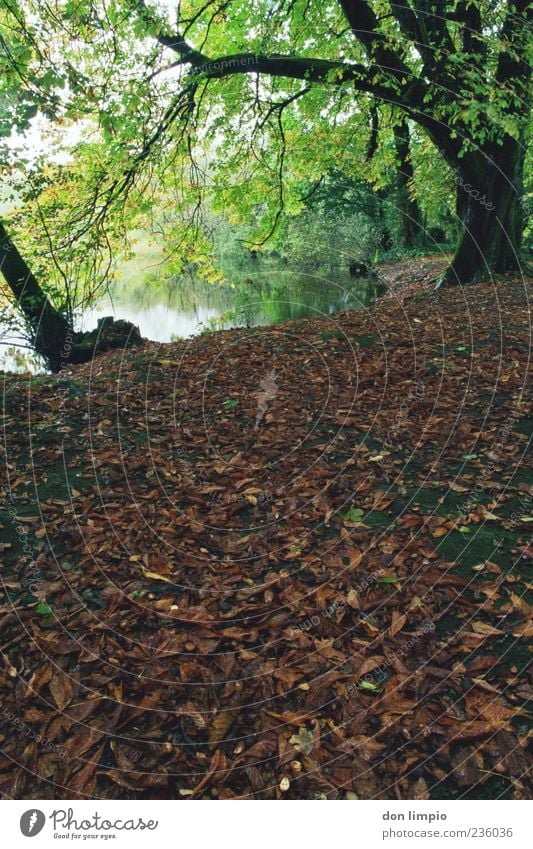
[184, 307]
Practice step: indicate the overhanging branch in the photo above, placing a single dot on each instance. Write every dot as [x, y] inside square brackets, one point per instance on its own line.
[371, 78]
[385, 77]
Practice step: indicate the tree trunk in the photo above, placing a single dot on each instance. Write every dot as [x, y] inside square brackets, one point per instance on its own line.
[489, 191]
[410, 215]
[49, 329]
[51, 334]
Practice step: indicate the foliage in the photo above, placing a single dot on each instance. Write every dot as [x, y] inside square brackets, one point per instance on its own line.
[169, 131]
[190, 536]
[244, 110]
[73, 271]
[316, 239]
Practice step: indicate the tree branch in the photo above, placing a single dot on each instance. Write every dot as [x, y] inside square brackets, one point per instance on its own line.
[365, 27]
[512, 65]
[412, 29]
[386, 77]
[309, 69]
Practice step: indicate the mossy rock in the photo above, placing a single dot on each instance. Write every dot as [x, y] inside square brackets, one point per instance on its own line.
[108, 335]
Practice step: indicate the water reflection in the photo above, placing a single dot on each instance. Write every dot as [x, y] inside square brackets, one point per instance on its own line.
[184, 307]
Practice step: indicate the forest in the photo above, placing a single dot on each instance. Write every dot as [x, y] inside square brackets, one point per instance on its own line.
[265, 269]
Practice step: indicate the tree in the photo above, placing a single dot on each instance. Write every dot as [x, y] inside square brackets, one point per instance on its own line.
[31, 83]
[284, 90]
[410, 215]
[51, 333]
[49, 329]
[457, 69]
[410, 224]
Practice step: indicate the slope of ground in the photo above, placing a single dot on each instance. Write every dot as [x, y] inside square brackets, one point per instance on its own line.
[283, 562]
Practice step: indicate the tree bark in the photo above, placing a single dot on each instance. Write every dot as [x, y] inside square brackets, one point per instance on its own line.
[50, 333]
[48, 328]
[489, 192]
[410, 215]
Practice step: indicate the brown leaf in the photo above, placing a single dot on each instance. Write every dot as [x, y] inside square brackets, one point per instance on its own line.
[155, 576]
[486, 629]
[398, 621]
[83, 782]
[218, 764]
[495, 711]
[523, 630]
[303, 742]
[220, 725]
[371, 663]
[420, 790]
[40, 677]
[62, 689]
[466, 766]
[353, 599]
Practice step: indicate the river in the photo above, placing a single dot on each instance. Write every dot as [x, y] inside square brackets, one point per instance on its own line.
[166, 310]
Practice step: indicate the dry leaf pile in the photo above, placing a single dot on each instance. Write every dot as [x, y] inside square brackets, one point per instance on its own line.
[285, 562]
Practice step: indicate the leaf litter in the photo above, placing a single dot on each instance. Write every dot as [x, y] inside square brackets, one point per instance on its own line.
[326, 596]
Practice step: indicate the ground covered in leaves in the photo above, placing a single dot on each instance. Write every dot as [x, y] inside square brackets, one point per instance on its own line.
[283, 562]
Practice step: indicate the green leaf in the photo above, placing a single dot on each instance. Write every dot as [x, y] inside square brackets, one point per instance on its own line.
[354, 514]
[367, 685]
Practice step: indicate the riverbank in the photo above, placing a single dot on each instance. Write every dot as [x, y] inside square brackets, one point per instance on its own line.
[287, 561]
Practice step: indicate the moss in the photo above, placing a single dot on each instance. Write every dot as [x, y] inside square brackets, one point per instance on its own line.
[495, 787]
[365, 340]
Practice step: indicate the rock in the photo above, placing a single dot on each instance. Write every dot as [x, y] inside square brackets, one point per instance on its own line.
[108, 335]
[115, 334]
[358, 268]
